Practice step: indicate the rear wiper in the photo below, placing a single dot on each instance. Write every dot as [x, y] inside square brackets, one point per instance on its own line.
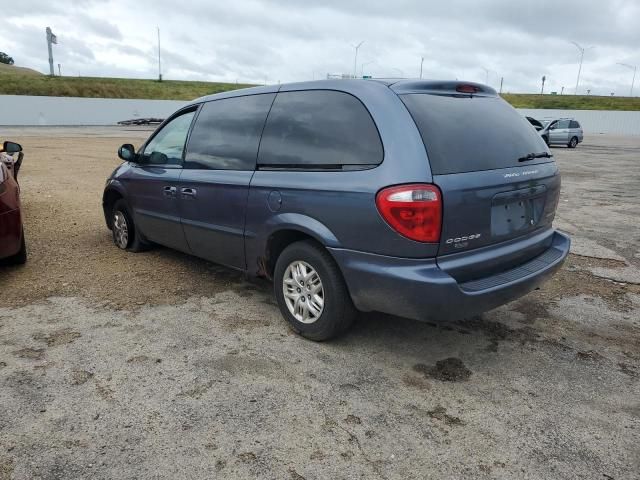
[531, 156]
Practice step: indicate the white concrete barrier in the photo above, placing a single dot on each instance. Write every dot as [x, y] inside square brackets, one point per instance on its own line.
[594, 121]
[19, 110]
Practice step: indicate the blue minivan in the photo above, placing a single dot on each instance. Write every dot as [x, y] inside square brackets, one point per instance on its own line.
[424, 199]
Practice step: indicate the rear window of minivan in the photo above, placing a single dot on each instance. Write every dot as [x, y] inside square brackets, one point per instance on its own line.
[467, 134]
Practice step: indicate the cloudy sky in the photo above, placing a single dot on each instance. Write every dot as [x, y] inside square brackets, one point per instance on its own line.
[258, 41]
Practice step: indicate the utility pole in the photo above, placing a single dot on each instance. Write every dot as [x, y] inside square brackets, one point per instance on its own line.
[581, 49]
[633, 80]
[355, 58]
[159, 61]
[59, 71]
[51, 39]
[501, 81]
[543, 80]
[421, 62]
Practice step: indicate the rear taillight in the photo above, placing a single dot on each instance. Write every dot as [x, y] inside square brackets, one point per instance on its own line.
[414, 211]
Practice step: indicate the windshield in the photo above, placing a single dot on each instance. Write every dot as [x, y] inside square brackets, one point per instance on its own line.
[467, 134]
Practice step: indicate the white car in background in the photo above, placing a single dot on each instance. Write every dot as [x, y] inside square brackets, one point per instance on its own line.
[561, 131]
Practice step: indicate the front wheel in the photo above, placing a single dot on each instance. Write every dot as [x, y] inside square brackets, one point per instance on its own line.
[573, 143]
[125, 234]
[546, 140]
[311, 292]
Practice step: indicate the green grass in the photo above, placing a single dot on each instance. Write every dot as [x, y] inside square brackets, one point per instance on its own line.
[12, 69]
[572, 102]
[95, 87]
[19, 81]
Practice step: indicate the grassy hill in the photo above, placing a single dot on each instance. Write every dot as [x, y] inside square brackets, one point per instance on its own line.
[14, 83]
[572, 102]
[24, 81]
[13, 70]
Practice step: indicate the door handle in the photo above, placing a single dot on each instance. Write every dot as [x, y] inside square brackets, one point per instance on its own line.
[188, 192]
[169, 192]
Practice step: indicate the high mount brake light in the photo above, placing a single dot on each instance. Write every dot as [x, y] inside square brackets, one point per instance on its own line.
[467, 89]
[414, 211]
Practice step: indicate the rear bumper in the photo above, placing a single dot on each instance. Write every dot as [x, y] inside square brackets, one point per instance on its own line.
[420, 289]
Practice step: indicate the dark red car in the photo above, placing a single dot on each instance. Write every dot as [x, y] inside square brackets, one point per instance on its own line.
[12, 245]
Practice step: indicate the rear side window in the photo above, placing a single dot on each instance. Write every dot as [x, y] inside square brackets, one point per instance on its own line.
[319, 129]
[463, 134]
[574, 124]
[227, 132]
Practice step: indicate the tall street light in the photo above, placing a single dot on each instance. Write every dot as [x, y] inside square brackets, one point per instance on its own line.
[355, 58]
[421, 62]
[486, 75]
[159, 59]
[633, 80]
[581, 49]
[364, 64]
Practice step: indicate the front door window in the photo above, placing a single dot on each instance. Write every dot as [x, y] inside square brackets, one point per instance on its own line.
[167, 146]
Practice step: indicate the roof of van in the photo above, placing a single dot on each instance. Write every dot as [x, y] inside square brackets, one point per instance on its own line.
[400, 86]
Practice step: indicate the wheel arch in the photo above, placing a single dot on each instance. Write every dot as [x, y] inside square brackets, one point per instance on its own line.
[287, 229]
[110, 196]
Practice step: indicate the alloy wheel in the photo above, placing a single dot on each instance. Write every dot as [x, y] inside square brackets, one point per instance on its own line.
[120, 230]
[303, 292]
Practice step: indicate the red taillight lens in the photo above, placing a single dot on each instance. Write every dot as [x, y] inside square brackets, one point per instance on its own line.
[414, 211]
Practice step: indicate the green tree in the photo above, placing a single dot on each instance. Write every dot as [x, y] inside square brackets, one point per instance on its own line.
[4, 58]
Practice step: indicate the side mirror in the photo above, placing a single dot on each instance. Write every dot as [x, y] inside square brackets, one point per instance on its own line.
[11, 147]
[127, 153]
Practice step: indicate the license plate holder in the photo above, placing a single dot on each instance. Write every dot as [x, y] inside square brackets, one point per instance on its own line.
[516, 212]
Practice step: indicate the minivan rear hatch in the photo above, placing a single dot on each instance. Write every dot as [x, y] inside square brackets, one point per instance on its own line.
[498, 179]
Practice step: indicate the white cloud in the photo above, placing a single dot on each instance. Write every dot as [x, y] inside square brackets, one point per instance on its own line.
[291, 40]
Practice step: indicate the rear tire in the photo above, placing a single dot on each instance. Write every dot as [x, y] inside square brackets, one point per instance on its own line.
[125, 234]
[573, 143]
[317, 304]
[19, 258]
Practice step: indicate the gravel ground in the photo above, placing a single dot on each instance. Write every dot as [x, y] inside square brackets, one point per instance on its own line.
[160, 365]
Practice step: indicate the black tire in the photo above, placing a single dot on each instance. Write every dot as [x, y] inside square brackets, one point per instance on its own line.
[546, 140]
[338, 312]
[134, 241]
[19, 258]
[573, 143]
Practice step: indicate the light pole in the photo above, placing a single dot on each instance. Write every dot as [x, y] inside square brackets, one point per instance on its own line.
[159, 63]
[581, 49]
[421, 62]
[355, 58]
[633, 80]
[486, 75]
[362, 65]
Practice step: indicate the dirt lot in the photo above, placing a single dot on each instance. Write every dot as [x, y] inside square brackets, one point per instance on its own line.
[159, 365]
